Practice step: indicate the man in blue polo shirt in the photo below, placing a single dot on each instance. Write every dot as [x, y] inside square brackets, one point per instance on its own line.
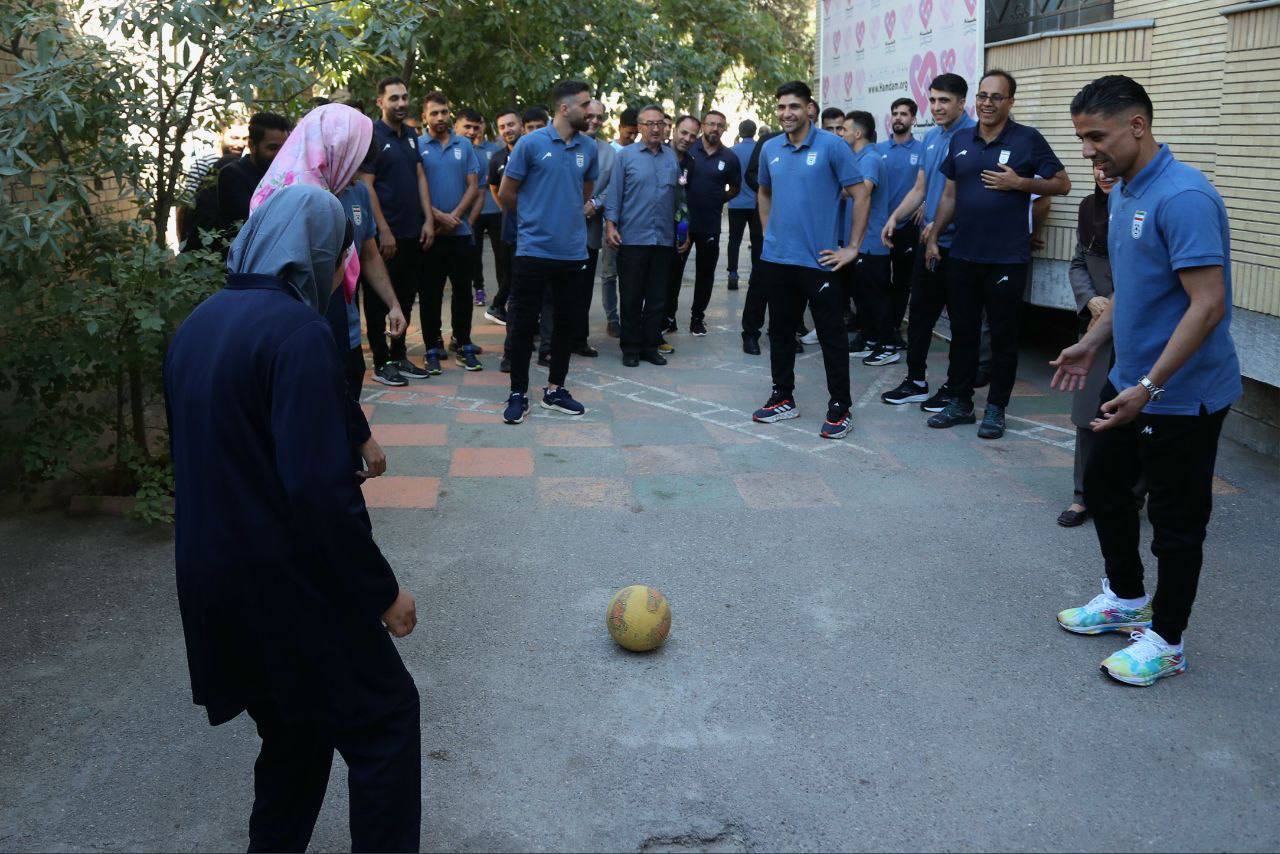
[903, 153]
[548, 179]
[714, 179]
[803, 173]
[640, 214]
[1174, 379]
[405, 228]
[992, 172]
[742, 207]
[486, 216]
[871, 270]
[453, 171]
[947, 95]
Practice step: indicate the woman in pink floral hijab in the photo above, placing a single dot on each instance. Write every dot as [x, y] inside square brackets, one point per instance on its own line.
[324, 150]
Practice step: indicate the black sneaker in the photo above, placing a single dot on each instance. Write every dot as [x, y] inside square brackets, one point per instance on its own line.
[884, 355]
[631, 360]
[496, 314]
[733, 283]
[467, 358]
[955, 413]
[409, 369]
[432, 360]
[517, 408]
[697, 327]
[908, 392]
[388, 375]
[859, 347]
[587, 351]
[939, 401]
[751, 343]
[992, 426]
[653, 357]
[561, 401]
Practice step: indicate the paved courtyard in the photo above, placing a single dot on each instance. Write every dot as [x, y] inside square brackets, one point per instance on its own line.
[863, 653]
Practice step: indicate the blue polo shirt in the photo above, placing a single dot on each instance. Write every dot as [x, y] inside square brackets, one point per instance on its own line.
[871, 163]
[708, 179]
[343, 316]
[641, 200]
[901, 166]
[746, 198]
[551, 173]
[936, 143]
[395, 179]
[485, 152]
[1169, 218]
[447, 166]
[806, 182]
[992, 225]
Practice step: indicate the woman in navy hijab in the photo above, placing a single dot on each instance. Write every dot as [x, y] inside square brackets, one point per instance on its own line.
[286, 600]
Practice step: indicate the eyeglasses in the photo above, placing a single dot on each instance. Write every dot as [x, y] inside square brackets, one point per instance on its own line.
[657, 124]
[995, 99]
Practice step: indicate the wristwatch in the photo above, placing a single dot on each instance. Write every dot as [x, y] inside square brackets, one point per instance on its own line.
[1155, 391]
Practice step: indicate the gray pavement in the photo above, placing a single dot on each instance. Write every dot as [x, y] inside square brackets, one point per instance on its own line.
[863, 653]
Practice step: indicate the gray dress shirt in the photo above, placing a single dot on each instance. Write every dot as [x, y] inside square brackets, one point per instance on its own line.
[642, 195]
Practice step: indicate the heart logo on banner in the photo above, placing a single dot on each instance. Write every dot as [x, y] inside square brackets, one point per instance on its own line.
[860, 32]
[924, 67]
[875, 30]
[860, 81]
[826, 84]
[835, 42]
[926, 9]
[948, 60]
[890, 18]
[972, 6]
[945, 6]
[848, 85]
[826, 7]
[970, 64]
[904, 17]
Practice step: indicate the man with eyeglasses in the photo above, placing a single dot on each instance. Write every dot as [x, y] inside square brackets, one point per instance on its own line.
[991, 173]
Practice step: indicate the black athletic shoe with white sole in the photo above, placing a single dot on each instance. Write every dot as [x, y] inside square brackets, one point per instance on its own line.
[410, 370]
[882, 356]
[908, 392]
[388, 375]
[939, 401]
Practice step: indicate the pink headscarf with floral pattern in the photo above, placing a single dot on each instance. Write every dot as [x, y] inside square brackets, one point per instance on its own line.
[324, 150]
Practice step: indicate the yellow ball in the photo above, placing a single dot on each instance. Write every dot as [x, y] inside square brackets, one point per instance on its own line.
[638, 618]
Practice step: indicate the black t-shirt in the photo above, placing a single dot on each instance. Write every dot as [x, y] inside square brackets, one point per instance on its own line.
[498, 165]
[237, 183]
[204, 205]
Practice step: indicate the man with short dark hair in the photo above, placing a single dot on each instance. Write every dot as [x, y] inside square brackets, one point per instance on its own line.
[238, 180]
[903, 153]
[803, 173]
[871, 271]
[685, 134]
[486, 216]
[1173, 381]
[947, 94]
[509, 129]
[406, 228]
[714, 179]
[992, 172]
[640, 219]
[832, 119]
[627, 128]
[742, 207]
[548, 178]
[452, 168]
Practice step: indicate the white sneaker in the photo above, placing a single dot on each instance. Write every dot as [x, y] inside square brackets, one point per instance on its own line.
[810, 337]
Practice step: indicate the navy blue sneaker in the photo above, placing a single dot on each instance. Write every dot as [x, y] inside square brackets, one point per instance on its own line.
[561, 401]
[517, 408]
[779, 407]
[839, 422]
[466, 357]
[432, 361]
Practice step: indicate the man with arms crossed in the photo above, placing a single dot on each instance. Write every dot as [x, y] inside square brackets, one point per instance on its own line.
[803, 172]
[548, 178]
[992, 172]
[1175, 377]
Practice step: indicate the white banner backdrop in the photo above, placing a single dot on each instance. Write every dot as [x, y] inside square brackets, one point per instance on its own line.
[876, 51]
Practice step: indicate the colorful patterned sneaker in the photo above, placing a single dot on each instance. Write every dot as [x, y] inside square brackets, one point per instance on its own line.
[517, 408]
[561, 401]
[1144, 661]
[779, 408]
[1103, 613]
[839, 422]
[481, 299]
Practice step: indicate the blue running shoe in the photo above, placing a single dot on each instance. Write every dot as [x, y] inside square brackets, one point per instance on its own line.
[467, 358]
[779, 407]
[517, 408]
[432, 361]
[561, 401]
[839, 422]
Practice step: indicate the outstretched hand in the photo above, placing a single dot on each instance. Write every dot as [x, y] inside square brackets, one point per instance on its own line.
[1121, 409]
[1073, 366]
